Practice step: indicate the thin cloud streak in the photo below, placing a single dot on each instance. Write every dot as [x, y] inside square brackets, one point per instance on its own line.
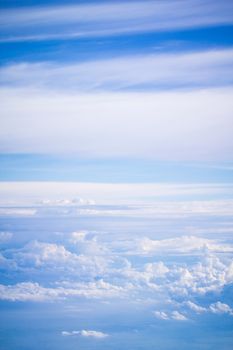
[157, 71]
[29, 193]
[106, 19]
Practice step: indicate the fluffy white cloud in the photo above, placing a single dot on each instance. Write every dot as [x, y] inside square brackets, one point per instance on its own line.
[178, 316]
[221, 308]
[101, 270]
[53, 258]
[183, 244]
[196, 308]
[88, 244]
[215, 308]
[161, 315]
[28, 291]
[174, 315]
[209, 275]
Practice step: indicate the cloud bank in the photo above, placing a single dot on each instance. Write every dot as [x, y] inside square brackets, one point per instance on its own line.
[169, 125]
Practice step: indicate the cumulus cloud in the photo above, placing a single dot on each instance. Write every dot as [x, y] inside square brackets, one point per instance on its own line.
[215, 308]
[178, 316]
[86, 333]
[161, 315]
[208, 275]
[218, 307]
[95, 270]
[182, 245]
[54, 258]
[196, 308]
[88, 244]
[29, 291]
[221, 308]
[174, 315]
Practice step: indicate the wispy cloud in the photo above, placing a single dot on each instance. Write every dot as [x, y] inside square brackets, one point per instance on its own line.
[137, 72]
[26, 197]
[105, 19]
[86, 333]
[175, 315]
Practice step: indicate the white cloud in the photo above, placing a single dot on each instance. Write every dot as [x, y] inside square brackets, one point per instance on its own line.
[88, 244]
[53, 258]
[178, 316]
[28, 291]
[122, 279]
[67, 202]
[17, 212]
[182, 245]
[142, 199]
[174, 315]
[161, 315]
[59, 122]
[159, 71]
[196, 308]
[221, 308]
[215, 308]
[104, 19]
[208, 275]
[86, 333]
[94, 334]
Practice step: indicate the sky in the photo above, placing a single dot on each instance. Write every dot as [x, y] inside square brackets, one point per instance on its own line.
[116, 174]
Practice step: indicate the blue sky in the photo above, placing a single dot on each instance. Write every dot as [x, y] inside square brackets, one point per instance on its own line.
[116, 187]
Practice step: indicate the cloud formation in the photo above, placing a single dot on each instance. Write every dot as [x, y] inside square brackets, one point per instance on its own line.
[106, 19]
[174, 315]
[60, 123]
[102, 271]
[160, 71]
[86, 333]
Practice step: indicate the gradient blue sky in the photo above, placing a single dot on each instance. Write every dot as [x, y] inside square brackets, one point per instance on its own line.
[116, 164]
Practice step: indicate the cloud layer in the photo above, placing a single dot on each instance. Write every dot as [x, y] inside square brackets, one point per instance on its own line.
[106, 19]
[187, 69]
[169, 125]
